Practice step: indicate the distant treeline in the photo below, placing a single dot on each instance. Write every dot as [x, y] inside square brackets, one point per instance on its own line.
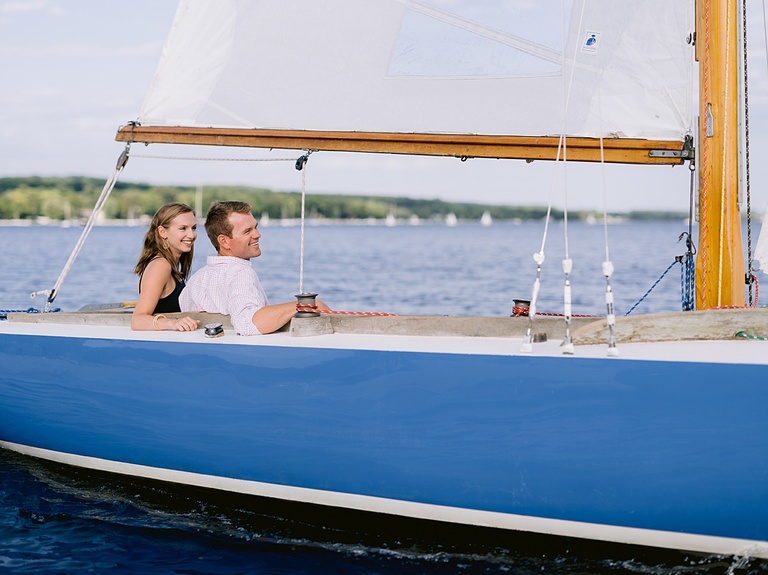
[74, 198]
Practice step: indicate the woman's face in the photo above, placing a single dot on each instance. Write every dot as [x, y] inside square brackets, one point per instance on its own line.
[181, 234]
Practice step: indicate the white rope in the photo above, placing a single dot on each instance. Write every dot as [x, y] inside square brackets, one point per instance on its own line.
[567, 261]
[303, 204]
[97, 210]
[610, 315]
[198, 159]
[539, 257]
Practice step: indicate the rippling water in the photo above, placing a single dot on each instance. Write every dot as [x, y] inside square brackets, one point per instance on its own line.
[429, 269]
[57, 520]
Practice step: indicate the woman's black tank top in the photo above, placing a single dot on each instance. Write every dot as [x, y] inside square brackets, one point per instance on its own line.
[170, 303]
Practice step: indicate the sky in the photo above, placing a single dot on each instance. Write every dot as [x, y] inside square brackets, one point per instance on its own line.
[75, 70]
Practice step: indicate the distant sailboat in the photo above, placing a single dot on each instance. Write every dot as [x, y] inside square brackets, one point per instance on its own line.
[486, 219]
[451, 220]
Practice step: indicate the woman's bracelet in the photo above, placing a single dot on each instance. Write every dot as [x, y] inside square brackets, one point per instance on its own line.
[155, 320]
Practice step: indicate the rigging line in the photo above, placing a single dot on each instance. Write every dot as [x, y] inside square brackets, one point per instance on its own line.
[301, 164]
[567, 90]
[689, 286]
[567, 261]
[749, 275]
[539, 256]
[97, 209]
[210, 159]
[610, 314]
[647, 293]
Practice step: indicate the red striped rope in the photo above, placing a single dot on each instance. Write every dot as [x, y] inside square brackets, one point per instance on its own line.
[307, 308]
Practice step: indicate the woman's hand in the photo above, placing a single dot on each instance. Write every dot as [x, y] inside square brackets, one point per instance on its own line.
[183, 324]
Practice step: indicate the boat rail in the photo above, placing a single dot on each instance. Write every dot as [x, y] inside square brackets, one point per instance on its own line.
[718, 324]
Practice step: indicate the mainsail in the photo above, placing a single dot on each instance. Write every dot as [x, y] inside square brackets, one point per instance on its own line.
[462, 78]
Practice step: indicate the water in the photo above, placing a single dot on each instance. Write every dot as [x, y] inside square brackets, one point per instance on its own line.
[57, 520]
[429, 269]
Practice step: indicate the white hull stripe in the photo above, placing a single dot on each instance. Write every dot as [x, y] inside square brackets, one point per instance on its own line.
[558, 527]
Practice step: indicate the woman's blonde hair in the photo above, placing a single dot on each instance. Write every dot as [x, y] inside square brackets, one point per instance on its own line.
[154, 246]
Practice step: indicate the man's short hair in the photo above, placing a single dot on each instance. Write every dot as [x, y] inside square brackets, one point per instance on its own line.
[217, 220]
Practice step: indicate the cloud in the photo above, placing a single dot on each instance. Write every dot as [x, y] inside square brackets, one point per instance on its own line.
[151, 48]
[27, 6]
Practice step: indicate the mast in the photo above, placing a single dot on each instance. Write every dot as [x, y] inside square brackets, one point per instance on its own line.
[720, 260]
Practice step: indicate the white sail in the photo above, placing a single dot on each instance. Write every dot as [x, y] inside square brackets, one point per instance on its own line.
[374, 66]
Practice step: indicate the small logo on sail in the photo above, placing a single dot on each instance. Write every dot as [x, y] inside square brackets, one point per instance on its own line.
[591, 42]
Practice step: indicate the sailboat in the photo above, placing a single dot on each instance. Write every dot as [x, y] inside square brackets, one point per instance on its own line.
[647, 431]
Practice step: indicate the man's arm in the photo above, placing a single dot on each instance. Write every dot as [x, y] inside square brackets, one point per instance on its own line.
[272, 317]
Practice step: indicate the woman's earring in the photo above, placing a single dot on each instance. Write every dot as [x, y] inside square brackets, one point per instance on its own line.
[165, 243]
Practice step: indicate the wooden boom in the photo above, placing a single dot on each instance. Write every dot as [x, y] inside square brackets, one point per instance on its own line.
[615, 150]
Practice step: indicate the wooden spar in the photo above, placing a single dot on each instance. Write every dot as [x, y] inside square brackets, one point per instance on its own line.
[617, 150]
[720, 260]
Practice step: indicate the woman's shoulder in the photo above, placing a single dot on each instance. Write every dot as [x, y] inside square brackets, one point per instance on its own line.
[158, 269]
[159, 263]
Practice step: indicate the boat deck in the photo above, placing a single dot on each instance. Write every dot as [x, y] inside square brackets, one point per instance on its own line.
[721, 324]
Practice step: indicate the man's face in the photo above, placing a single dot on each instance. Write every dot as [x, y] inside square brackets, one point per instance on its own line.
[244, 242]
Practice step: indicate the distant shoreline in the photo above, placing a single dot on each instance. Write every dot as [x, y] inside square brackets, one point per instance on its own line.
[295, 222]
[46, 200]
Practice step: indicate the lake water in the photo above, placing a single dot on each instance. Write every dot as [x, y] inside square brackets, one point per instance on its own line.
[57, 521]
[427, 269]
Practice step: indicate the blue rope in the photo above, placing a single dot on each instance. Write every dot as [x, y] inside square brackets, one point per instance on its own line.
[687, 277]
[4, 312]
[688, 282]
[666, 271]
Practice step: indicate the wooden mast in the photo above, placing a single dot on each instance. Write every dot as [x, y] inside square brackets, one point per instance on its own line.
[720, 260]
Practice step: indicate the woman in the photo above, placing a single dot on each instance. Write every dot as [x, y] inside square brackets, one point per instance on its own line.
[163, 267]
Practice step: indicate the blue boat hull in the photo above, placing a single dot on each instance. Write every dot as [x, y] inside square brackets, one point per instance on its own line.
[652, 445]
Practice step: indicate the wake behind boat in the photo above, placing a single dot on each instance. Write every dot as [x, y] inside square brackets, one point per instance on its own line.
[641, 431]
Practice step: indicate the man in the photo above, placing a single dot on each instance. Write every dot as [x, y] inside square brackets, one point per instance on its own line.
[228, 284]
